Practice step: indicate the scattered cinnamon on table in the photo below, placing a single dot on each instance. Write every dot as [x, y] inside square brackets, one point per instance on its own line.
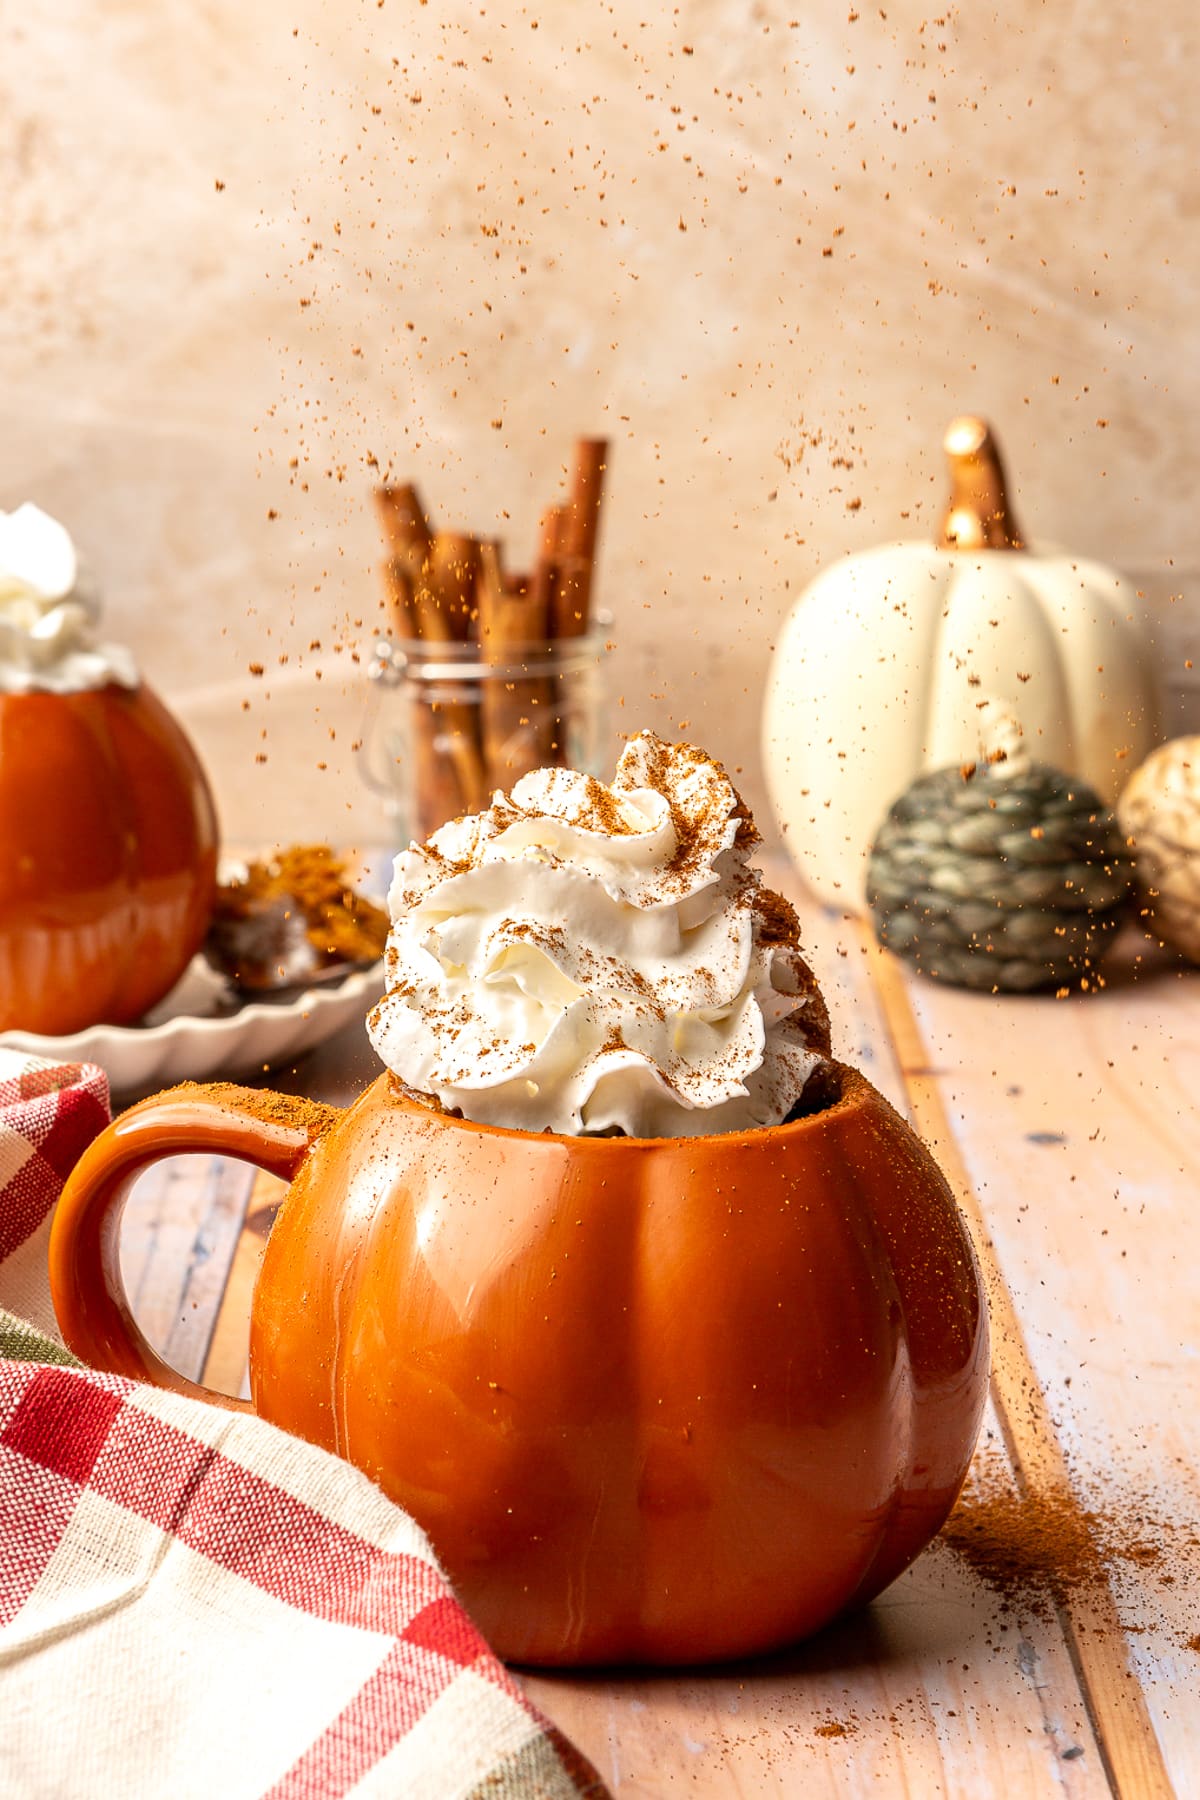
[452, 588]
[1036, 1551]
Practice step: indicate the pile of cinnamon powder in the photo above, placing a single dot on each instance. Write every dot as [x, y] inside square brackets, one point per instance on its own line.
[1040, 1550]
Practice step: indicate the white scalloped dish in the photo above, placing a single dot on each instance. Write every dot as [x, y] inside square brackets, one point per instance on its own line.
[203, 1030]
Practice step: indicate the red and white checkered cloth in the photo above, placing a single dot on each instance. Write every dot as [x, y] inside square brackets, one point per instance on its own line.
[193, 1603]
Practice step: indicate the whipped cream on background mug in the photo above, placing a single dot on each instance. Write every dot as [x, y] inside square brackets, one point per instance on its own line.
[48, 613]
[584, 959]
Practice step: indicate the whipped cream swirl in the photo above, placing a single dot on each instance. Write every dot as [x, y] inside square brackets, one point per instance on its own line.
[48, 615]
[590, 959]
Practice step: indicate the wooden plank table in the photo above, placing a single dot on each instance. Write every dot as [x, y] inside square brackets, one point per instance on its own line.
[1049, 1641]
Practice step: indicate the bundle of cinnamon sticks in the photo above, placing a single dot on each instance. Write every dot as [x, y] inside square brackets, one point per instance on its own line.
[476, 733]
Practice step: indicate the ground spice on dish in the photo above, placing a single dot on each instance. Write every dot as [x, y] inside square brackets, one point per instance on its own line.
[340, 924]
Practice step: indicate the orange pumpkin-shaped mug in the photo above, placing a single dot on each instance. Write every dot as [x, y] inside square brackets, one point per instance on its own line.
[108, 856]
[654, 1400]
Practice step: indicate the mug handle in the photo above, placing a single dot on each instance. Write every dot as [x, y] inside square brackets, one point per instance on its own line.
[89, 1296]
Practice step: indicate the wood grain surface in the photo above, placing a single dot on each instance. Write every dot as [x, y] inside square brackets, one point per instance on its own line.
[182, 1226]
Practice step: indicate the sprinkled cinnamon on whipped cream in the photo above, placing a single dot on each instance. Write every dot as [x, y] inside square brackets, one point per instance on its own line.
[48, 614]
[584, 958]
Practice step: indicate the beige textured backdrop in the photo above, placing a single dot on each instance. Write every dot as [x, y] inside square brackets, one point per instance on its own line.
[248, 246]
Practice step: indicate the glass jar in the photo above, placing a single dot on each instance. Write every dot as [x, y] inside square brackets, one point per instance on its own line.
[449, 724]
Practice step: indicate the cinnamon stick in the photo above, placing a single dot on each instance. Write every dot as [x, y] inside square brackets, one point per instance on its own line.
[428, 774]
[518, 723]
[444, 603]
[545, 572]
[490, 589]
[577, 551]
[406, 527]
[436, 780]
[446, 594]
[400, 599]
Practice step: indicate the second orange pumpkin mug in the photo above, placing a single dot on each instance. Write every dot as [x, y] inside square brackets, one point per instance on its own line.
[661, 1401]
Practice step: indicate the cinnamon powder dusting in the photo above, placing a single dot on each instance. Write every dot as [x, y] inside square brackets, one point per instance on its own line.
[834, 1728]
[1040, 1551]
[666, 771]
[292, 1112]
[777, 919]
[600, 810]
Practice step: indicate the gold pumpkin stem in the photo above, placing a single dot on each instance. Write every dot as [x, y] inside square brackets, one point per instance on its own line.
[979, 516]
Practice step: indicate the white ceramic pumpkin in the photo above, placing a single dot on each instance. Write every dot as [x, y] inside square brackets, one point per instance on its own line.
[900, 659]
